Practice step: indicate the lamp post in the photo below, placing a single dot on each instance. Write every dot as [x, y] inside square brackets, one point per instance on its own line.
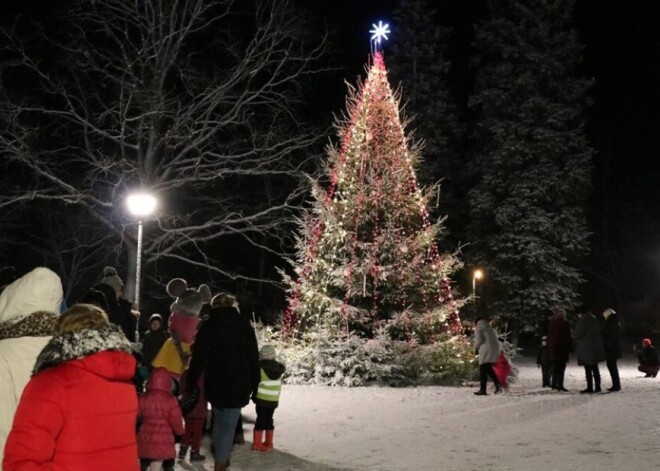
[477, 275]
[140, 205]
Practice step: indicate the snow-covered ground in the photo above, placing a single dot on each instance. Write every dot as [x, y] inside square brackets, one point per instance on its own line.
[447, 428]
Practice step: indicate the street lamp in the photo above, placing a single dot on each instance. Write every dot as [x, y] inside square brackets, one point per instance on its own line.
[478, 274]
[140, 205]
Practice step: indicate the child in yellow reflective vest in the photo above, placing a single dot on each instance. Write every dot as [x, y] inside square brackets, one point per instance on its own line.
[267, 398]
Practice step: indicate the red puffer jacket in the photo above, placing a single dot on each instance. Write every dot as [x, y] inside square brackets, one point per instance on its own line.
[76, 416]
[161, 418]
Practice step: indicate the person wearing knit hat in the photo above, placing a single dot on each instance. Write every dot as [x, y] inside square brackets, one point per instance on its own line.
[266, 398]
[649, 362]
[119, 310]
[111, 278]
[267, 352]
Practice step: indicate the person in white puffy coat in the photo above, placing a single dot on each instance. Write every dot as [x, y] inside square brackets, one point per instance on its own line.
[28, 309]
[487, 347]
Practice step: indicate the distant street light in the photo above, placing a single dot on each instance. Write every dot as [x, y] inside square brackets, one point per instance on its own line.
[478, 274]
[140, 205]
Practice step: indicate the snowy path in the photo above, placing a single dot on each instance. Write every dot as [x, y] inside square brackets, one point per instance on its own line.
[435, 428]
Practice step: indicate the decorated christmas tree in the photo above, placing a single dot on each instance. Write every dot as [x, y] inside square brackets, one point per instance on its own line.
[367, 262]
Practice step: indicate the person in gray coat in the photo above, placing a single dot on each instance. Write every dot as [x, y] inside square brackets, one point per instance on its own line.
[488, 348]
[589, 350]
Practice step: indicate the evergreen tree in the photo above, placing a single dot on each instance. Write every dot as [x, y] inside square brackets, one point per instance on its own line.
[367, 258]
[533, 163]
[418, 62]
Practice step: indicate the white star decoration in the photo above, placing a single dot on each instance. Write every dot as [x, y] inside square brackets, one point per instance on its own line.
[379, 32]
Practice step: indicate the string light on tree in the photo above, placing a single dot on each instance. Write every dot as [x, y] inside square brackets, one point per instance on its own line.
[367, 260]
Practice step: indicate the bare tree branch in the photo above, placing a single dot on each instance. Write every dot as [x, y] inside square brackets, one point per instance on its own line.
[173, 97]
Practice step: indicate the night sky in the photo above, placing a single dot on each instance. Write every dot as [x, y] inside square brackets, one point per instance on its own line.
[622, 55]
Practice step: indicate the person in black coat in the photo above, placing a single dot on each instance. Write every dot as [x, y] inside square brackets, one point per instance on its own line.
[589, 350]
[226, 351]
[543, 361]
[649, 362]
[560, 345]
[612, 343]
[119, 309]
[153, 340]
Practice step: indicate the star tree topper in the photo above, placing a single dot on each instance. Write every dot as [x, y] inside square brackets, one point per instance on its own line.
[378, 32]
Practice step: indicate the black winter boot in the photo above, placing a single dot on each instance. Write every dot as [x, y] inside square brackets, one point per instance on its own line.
[183, 451]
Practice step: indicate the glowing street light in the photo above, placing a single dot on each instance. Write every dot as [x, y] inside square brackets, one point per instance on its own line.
[477, 275]
[140, 205]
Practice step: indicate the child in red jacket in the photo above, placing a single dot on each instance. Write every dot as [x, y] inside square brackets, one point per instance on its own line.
[161, 420]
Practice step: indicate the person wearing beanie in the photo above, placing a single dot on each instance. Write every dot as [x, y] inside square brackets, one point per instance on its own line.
[266, 398]
[649, 362]
[612, 343]
[119, 310]
[78, 410]
[111, 278]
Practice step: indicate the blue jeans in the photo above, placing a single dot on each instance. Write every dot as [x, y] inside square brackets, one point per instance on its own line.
[224, 425]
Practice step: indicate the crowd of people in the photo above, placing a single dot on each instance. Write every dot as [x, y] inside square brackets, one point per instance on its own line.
[78, 392]
[592, 341]
[82, 394]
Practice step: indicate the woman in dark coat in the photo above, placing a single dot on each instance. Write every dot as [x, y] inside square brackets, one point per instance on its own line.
[612, 342]
[226, 351]
[589, 350]
[560, 345]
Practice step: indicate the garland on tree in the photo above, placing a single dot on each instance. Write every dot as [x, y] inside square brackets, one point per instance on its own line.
[367, 258]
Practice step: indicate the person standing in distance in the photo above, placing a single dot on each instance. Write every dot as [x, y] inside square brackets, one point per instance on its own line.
[488, 348]
[560, 345]
[612, 343]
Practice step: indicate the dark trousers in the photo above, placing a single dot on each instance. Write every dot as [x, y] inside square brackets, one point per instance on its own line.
[546, 372]
[614, 373]
[193, 434]
[593, 377]
[145, 462]
[558, 369]
[647, 368]
[485, 371]
[264, 418]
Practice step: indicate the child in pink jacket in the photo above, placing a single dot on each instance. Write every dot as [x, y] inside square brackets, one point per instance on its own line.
[161, 420]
